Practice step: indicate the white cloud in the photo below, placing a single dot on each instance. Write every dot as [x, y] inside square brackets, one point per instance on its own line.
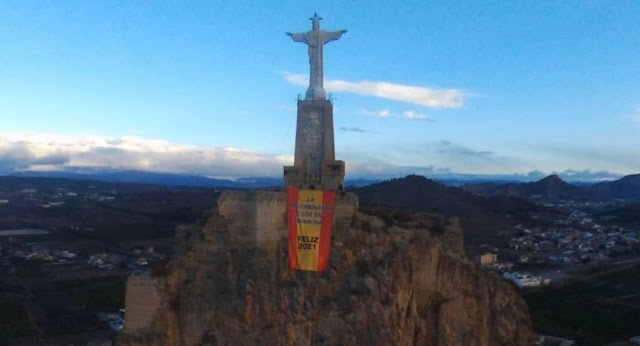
[55, 152]
[385, 113]
[379, 170]
[455, 150]
[352, 129]
[427, 97]
[296, 78]
[413, 115]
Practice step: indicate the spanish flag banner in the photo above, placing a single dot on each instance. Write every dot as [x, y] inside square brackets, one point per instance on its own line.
[310, 219]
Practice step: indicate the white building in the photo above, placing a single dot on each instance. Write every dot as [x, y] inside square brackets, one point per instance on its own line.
[523, 279]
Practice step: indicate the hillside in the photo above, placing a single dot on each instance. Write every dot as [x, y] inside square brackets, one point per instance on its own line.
[626, 188]
[554, 188]
[627, 216]
[482, 218]
[104, 211]
[598, 310]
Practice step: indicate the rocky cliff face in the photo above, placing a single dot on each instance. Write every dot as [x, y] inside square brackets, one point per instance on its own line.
[389, 283]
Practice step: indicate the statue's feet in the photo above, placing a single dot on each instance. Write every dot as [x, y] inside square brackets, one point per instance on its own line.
[316, 94]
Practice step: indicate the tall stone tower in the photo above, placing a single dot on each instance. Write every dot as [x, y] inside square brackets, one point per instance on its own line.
[315, 166]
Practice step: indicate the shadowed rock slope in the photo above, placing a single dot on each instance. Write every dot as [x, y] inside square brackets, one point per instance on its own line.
[387, 285]
[483, 219]
[626, 188]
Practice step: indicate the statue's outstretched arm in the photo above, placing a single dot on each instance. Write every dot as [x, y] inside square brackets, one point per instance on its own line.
[332, 35]
[298, 37]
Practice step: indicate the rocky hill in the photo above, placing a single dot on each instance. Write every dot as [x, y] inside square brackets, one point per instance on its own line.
[482, 218]
[553, 188]
[399, 281]
[626, 188]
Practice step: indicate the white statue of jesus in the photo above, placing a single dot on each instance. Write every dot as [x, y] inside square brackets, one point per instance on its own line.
[316, 39]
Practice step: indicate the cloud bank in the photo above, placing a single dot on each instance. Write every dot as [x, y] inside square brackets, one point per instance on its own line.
[352, 129]
[452, 149]
[46, 152]
[426, 97]
[377, 171]
[385, 113]
[62, 153]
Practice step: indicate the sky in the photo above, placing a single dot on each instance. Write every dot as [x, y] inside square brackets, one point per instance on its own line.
[426, 87]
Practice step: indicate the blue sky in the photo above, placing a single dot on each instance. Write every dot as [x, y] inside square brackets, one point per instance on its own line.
[426, 87]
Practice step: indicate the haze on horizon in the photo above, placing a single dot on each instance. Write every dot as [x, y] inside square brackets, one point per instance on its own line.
[209, 88]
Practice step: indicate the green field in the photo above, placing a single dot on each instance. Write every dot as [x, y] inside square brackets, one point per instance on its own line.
[603, 308]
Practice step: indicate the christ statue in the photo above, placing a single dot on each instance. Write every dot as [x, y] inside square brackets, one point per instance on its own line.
[316, 39]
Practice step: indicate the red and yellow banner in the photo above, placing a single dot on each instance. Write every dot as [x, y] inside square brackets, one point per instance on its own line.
[310, 219]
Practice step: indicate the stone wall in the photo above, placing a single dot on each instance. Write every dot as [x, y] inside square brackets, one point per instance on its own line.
[346, 208]
[260, 217]
[141, 303]
[453, 237]
[256, 218]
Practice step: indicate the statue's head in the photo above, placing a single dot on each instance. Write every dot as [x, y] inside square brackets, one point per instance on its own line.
[315, 22]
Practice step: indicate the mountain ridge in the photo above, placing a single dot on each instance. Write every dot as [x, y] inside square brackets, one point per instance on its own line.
[553, 188]
[481, 217]
[625, 188]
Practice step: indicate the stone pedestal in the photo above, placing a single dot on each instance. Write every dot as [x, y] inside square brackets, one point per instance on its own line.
[315, 166]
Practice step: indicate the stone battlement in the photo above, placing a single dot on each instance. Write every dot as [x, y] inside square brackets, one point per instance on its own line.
[260, 217]
[255, 217]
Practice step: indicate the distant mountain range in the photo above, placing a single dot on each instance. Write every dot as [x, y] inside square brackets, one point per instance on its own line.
[193, 179]
[141, 177]
[169, 179]
[552, 188]
[549, 188]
